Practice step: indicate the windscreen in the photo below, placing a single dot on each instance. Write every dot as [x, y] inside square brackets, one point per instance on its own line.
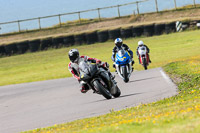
[121, 52]
[83, 67]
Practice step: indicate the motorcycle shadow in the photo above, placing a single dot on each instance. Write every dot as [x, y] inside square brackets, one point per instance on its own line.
[143, 79]
[122, 96]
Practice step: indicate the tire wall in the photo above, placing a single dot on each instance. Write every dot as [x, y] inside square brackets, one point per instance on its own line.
[159, 29]
[34, 45]
[69, 40]
[23, 47]
[11, 49]
[170, 27]
[2, 50]
[57, 42]
[102, 36]
[45, 43]
[114, 33]
[80, 39]
[91, 37]
[126, 32]
[149, 30]
[137, 31]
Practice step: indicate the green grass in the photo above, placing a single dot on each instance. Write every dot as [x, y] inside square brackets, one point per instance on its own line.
[178, 114]
[53, 64]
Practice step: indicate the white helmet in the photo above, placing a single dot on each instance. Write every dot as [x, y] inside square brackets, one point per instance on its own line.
[118, 42]
[140, 43]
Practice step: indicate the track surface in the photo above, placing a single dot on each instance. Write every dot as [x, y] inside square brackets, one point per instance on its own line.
[40, 104]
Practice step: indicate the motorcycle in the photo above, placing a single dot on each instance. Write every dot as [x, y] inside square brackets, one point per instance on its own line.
[143, 57]
[98, 80]
[123, 65]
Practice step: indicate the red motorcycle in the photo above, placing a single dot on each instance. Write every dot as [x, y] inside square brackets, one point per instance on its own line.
[143, 57]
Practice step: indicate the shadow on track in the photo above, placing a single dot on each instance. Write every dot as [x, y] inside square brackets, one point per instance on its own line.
[143, 79]
[117, 97]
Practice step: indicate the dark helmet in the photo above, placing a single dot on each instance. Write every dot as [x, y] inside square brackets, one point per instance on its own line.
[73, 55]
[118, 42]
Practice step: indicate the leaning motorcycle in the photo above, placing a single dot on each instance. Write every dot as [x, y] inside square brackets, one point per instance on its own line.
[123, 64]
[98, 80]
[143, 57]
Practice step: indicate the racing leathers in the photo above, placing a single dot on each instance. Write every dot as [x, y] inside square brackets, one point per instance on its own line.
[148, 51]
[74, 69]
[116, 49]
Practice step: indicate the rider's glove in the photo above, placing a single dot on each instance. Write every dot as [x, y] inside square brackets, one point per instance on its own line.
[98, 62]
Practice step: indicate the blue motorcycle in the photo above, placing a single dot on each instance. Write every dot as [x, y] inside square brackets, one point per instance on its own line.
[123, 64]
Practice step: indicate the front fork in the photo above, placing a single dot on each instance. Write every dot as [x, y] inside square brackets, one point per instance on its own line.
[128, 67]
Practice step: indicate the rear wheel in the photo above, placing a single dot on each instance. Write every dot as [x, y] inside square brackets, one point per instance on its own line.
[125, 74]
[118, 92]
[102, 90]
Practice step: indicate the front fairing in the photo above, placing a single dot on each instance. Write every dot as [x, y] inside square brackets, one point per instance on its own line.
[87, 70]
[142, 50]
[122, 57]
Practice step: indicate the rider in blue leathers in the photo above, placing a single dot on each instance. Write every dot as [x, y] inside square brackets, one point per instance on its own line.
[119, 45]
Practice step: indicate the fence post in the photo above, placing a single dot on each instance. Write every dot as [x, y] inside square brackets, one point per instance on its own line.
[39, 23]
[19, 25]
[118, 10]
[59, 20]
[175, 4]
[99, 14]
[194, 3]
[156, 5]
[137, 7]
[79, 16]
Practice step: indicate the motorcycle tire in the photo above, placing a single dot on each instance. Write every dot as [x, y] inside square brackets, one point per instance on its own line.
[102, 90]
[125, 74]
[144, 63]
[118, 93]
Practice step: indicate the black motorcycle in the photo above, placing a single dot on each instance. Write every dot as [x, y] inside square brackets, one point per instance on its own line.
[98, 79]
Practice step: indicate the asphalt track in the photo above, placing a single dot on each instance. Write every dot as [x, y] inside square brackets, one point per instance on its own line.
[39, 104]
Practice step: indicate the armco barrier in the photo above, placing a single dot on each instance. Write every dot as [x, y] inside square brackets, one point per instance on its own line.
[11, 49]
[22, 47]
[126, 32]
[80, 38]
[45, 43]
[170, 27]
[159, 29]
[68, 40]
[91, 37]
[149, 30]
[138, 30]
[2, 50]
[102, 36]
[34, 45]
[114, 33]
[57, 42]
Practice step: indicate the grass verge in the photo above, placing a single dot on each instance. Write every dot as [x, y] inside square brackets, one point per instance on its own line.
[178, 114]
[52, 64]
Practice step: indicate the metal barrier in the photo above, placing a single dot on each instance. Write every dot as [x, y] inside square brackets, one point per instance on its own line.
[59, 16]
[80, 20]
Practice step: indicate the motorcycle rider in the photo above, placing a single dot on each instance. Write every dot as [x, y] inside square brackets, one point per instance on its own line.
[75, 59]
[140, 44]
[119, 45]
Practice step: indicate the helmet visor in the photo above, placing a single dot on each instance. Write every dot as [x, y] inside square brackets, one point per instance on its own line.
[118, 44]
[73, 58]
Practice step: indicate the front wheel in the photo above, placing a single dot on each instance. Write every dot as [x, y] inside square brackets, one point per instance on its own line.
[144, 63]
[125, 74]
[102, 90]
[118, 92]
